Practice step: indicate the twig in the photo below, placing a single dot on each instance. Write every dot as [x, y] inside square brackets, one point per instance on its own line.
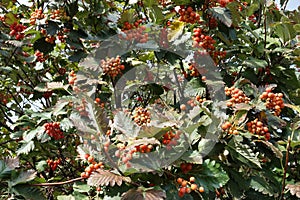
[58, 183]
[285, 167]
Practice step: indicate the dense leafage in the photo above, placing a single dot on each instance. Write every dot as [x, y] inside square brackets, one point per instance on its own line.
[149, 99]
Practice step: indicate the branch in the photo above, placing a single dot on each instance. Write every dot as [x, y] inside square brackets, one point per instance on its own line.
[57, 183]
[285, 167]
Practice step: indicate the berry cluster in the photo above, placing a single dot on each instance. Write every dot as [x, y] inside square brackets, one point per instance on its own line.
[61, 36]
[40, 57]
[112, 66]
[92, 167]
[141, 116]
[212, 23]
[57, 14]
[193, 71]
[53, 130]
[16, 31]
[72, 78]
[37, 14]
[134, 32]
[170, 138]
[186, 167]
[4, 98]
[204, 41]
[273, 101]
[223, 3]
[188, 186]
[62, 71]
[53, 163]
[227, 127]
[144, 148]
[50, 39]
[98, 101]
[257, 127]
[125, 154]
[237, 96]
[188, 15]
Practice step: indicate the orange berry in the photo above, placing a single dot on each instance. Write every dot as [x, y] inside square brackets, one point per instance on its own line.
[179, 180]
[194, 186]
[184, 183]
[192, 179]
[201, 189]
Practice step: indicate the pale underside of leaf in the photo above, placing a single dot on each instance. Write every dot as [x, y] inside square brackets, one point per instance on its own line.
[105, 178]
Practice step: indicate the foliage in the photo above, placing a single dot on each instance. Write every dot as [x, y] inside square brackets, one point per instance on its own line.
[146, 99]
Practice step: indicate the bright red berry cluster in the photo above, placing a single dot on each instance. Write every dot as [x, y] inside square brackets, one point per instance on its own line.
[187, 187]
[53, 163]
[202, 40]
[141, 116]
[188, 15]
[53, 130]
[170, 138]
[273, 101]
[37, 14]
[257, 127]
[40, 57]
[237, 96]
[144, 148]
[223, 3]
[186, 167]
[134, 32]
[112, 66]
[212, 23]
[16, 30]
[93, 166]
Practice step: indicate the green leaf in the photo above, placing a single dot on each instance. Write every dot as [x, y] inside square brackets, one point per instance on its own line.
[81, 187]
[258, 183]
[66, 124]
[124, 123]
[191, 156]
[66, 197]
[205, 146]
[177, 28]
[255, 63]
[32, 193]
[141, 193]
[285, 31]
[157, 14]
[52, 27]
[41, 165]
[7, 165]
[222, 14]
[26, 148]
[243, 153]
[43, 46]
[194, 88]
[28, 136]
[10, 18]
[23, 177]
[211, 176]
